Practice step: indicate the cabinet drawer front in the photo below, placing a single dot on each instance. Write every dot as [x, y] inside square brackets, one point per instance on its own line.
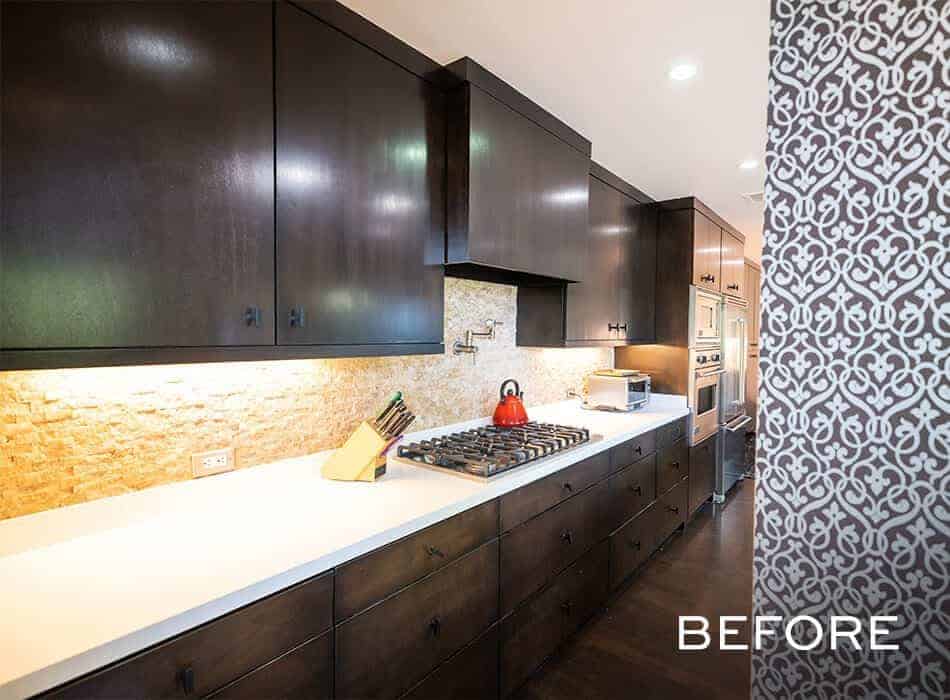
[533, 631]
[371, 578]
[472, 674]
[383, 651]
[632, 451]
[632, 544]
[523, 504]
[672, 507]
[632, 489]
[220, 651]
[667, 434]
[672, 465]
[533, 552]
[306, 672]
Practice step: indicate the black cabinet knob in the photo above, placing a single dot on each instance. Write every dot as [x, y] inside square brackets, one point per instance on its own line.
[567, 536]
[568, 487]
[673, 509]
[638, 449]
[435, 626]
[434, 551]
[187, 678]
[252, 316]
[634, 544]
[566, 607]
[298, 317]
[675, 465]
[637, 489]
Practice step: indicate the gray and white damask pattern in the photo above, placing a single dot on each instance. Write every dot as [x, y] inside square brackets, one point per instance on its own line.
[853, 499]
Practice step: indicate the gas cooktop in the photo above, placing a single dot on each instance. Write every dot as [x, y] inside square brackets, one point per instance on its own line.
[484, 452]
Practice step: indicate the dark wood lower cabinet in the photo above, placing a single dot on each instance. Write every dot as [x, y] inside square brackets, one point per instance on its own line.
[672, 510]
[632, 489]
[533, 632]
[672, 465]
[533, 552]
[472, 674]
[306, 673]
[383, 651]
[702, 471]
[632, 544]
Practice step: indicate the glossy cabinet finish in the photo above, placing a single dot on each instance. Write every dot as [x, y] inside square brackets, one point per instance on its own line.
[369, 579]
[616, 300]
[733, 265]
[218, 653]
[533, 552]
[528, 501]
[707, 253]
[360, 192]
[305, 672]
[517, 194]
[702, 471]
[137, 183]
[384, 651]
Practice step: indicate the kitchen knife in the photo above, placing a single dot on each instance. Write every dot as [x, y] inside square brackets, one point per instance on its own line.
[394, 416]
[393, 400]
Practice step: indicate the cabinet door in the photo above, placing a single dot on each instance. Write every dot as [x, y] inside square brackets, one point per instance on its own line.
[360, 203]
[527, 194]
[593, 305]
[637, 278]
[702, 471]
[137, 182]
[707, 253]
[733, 266]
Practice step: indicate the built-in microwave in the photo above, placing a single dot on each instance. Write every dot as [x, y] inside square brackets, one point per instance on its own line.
[705, 317]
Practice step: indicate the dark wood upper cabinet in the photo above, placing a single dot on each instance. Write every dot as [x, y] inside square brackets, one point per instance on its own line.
[137, 181]
[733, 264]
[517, 185]
[615, 305]
[707, 252]
[360, 192]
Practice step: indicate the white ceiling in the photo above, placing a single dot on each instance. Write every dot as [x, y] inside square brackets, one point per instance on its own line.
[602, 66]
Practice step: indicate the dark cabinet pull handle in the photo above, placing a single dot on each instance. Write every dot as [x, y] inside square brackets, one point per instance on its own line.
[252, 316]
[613, 326]
[566, 607]
[673, 509]
[675, 465]
[568, 487]
[434, 551]
[733, 286]
[435, 626]
[636, 489]
[634, 543]
[568, 536]
[638, 449]
[298, 317]
[707, 278]
[622, 327]
[187, 677]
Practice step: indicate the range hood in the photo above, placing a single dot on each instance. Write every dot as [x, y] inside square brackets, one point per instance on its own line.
[517, 185]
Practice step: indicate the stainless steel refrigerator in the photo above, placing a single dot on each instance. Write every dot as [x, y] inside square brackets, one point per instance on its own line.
[733, 416]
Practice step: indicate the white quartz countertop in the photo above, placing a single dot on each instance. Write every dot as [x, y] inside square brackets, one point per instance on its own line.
[86, 585]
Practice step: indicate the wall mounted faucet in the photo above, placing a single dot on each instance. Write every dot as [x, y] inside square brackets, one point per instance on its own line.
[469, 347]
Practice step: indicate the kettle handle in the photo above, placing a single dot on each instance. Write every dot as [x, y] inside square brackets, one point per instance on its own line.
[506, 383]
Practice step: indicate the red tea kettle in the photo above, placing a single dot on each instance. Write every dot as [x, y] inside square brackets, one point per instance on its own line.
[510, 410]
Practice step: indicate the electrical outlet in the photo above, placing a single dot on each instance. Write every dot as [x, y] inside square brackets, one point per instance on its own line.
[213, 462]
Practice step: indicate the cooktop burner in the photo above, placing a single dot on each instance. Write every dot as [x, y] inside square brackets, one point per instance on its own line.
[484, 452]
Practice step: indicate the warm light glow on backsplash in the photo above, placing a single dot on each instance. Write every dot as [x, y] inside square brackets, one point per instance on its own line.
[68, 436]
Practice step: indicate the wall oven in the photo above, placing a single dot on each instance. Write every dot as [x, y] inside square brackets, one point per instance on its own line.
[705, 393]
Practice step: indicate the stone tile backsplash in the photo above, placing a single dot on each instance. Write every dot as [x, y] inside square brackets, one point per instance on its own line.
[68, 436]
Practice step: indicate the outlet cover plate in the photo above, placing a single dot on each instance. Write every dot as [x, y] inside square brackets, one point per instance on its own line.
[212, 462]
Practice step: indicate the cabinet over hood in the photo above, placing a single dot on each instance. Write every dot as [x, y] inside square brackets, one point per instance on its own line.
[517, 185]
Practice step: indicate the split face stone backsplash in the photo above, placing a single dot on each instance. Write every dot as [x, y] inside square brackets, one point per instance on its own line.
[69, 436]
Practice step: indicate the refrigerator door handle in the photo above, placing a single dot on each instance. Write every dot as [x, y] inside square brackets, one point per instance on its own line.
[741, 423]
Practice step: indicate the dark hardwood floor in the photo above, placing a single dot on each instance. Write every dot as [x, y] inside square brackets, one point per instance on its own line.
[630, 650]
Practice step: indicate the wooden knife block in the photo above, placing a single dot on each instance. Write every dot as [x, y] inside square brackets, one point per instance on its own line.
[360, 459]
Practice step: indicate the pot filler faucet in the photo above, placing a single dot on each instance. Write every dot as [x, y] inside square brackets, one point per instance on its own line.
[469, 347]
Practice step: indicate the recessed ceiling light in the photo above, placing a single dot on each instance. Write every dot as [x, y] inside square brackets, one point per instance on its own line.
[749, 164]
[683, 71]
